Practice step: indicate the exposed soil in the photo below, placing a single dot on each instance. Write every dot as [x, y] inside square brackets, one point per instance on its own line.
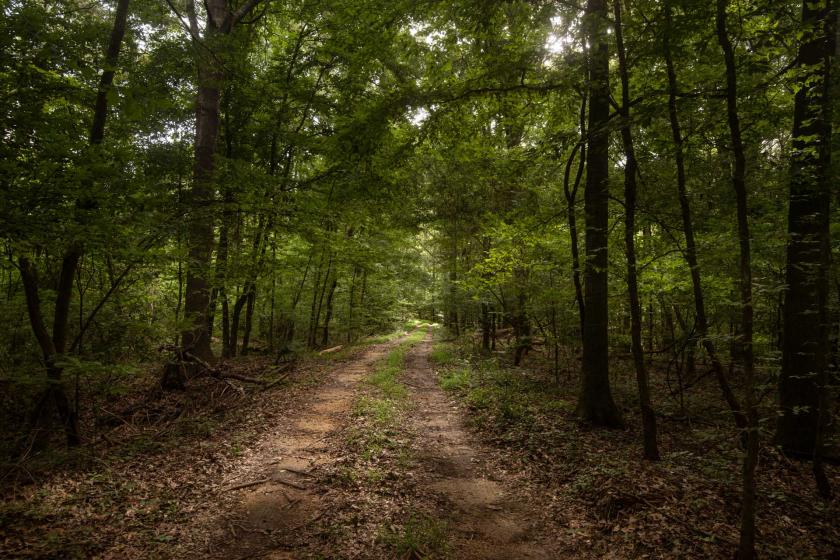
[309, 471]
[273, 517]
[298, 507]
[489, 513]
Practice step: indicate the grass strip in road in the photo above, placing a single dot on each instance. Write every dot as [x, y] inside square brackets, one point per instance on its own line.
[376, 432]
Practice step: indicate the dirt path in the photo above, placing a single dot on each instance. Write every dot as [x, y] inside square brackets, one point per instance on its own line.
[271, 500]
[281, 502]
[488, 515]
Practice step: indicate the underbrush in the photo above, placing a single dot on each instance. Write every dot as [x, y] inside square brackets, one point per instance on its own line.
[604, 494]
[420, 536]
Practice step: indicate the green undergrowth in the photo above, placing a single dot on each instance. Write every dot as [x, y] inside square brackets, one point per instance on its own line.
[348, 350]
[499, 397]
[377, 434]
[420, 537]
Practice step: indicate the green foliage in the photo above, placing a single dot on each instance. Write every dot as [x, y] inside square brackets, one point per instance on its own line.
[455, 380]
[420, 536]
[443, 354]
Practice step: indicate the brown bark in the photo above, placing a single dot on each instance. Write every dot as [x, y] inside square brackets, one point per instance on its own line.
[651, 451]
[595, 404]
[571, 213]
[806, 326]
[52, 347]
[329, 312]
[200, 220]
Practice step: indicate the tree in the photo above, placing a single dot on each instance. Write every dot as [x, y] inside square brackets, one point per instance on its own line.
[805, 350]
[209, 51]
[746, 545]
[54, 345]
[651, 450]
[690, 252]
[595, 403]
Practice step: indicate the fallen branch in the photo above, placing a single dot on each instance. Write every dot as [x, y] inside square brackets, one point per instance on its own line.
[295, 471]
[243, 378]
[246, 484]
[292, 484]
[216, 373]
[276, 382]
[331, 350]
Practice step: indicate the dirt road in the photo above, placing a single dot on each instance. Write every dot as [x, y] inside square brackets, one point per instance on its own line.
[285, 500]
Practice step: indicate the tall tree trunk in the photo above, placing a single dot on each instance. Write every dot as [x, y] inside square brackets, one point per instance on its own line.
[329, 312]
[220, 21]
[310, 335]
[571, 212]
[233, 339]
[595, 404]
[53, 347]
[250, 301]
[259, 251]
[688, 230]
[200, 199]
[521, 322]
[651, 451]
[485, 327]
[805, 338]
[316, 319]
[746, 546]
[351, 304]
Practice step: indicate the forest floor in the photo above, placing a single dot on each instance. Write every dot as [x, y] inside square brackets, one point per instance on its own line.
[393, 450]
[377, 463]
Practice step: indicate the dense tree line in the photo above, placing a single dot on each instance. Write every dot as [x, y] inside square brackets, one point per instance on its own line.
[649, 177]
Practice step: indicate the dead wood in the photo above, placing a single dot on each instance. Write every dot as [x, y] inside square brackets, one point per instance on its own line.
[288, 483]
[246, 484]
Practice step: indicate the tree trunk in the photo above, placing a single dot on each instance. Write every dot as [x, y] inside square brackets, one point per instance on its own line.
[259, 251]
[688, 230]
[200, 200]
[241, 300]
[595, 404]
[51, 351]
[651, 451]
[52, 347]
[485, 327]
[220, 21]
[316, 319]
[746, 546]
[351, 304]
[249, 318]
[329, 312]
[805, 345]
[310, 335]
[571, 196]
[521, 323]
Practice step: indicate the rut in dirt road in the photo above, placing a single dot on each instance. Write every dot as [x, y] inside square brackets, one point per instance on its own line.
[271, 501]
[487, 516]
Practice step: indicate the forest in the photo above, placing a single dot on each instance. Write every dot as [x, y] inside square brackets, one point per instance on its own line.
[419, 279]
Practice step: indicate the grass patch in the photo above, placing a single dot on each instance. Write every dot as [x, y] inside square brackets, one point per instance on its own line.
[378, 412]
[456, 379]
[443, 354]
[420, 537]
[499, 397]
